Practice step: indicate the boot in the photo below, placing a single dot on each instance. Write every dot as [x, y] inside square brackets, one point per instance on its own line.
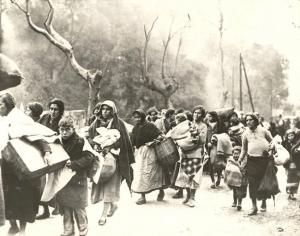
[188, 195]
[179, 194]
[191, 201]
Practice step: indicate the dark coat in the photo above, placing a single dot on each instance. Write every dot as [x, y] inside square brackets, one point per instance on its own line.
[75, 193]
[46, 121]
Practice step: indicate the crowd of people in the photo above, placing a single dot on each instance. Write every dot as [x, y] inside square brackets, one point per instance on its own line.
[224, 142]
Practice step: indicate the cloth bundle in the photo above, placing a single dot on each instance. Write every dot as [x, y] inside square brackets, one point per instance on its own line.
[182, 136]
[106, 137]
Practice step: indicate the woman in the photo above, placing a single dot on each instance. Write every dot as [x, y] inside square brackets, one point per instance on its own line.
[15, 209]
[109, 192]
[255, 145]
[191, 151]
[95, 113]
[293, 166]
[34, 110]
[215, 126]
[148, 174]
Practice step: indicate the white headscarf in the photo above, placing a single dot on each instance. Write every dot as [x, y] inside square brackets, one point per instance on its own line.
[110, 104]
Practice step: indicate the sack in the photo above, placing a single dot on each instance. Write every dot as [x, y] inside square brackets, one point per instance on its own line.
[233, 175]
[282, 156]
[166, 152]
[269, 184]
[108, 168]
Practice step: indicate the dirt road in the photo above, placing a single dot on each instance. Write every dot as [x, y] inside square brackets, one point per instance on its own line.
[212, 216]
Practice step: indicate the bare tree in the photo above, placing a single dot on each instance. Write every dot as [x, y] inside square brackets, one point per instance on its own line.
[167, 85]
[92, 77]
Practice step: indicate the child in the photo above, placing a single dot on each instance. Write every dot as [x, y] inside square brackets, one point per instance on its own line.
[235, 177]
[73, 197]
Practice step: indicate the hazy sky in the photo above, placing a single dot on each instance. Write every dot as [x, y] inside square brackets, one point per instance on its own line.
[268, 22]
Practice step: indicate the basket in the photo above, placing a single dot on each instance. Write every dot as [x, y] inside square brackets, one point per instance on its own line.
[166, 152]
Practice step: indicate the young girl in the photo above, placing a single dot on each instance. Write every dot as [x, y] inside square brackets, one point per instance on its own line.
[235, 177]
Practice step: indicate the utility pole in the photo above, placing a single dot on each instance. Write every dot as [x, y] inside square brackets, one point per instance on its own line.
[241, 85]
[232, 87]
[1, 32]
[248, 86]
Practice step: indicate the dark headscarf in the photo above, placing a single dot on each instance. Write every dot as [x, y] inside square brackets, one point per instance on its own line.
[214, 115]
[143, 132]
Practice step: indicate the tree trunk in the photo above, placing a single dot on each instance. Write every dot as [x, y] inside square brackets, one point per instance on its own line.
[94, 93]
[167, 101]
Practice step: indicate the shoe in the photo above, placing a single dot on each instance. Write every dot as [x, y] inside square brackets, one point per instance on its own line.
[68, 234]
[213, 186]
[141, 201]
[218, 182]
[179, 194]
[85, 233]
[102, 221]
[160, 196]
[191, 202]
[233, 204]
[252, 212]
[185, 201]
[55, 211]
[292, 198]
[43, 216]
[239, 207]
[112, 210]
[13, 230]
[263, 209]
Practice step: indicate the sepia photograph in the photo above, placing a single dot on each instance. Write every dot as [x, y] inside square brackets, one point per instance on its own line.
[149, 117]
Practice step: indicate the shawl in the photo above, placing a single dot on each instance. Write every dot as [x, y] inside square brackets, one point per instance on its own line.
[144, 133]
[126, 157]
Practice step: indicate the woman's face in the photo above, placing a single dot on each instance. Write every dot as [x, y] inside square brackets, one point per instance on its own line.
[3, 108]
[28, 112]
[197, 115]
[66, 132]
[236, 154]
[250, 122]
[137, 118]
[210, 118]
[291, 137]
[153, 115]
[54, 111]
[106, 112]
[96, 110]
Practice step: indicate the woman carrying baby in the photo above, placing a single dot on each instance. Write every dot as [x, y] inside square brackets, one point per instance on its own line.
[109, 192]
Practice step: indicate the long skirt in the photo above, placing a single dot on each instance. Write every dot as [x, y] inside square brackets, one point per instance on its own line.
[2, 208]
[21, 197]
[293, 178]
[148, 175]
[108, 191]
[256, 168]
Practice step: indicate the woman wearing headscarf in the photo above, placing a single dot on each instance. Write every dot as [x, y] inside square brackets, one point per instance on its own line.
[148, 174]
[109, 192]
[24, 209]
[255, 145]
[191, 158]
[95, 113]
